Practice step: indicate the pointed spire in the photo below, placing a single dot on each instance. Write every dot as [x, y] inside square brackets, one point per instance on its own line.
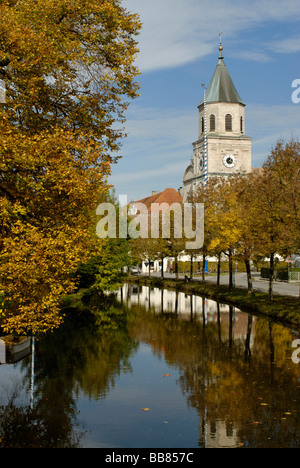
[221, 87]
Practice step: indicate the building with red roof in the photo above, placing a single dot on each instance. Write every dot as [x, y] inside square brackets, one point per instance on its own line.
[165, 198]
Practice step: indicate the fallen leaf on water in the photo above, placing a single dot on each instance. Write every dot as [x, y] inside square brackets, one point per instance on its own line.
[166, 375]
[264, 404]
[145, 409]
[287, 413]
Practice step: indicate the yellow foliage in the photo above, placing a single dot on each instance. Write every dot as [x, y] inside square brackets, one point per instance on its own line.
[69, 70]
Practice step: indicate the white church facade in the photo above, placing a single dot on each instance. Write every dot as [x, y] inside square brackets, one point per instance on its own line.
[222, 148]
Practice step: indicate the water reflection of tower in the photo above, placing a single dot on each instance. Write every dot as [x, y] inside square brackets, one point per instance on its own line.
[232, 330]
[216, 433]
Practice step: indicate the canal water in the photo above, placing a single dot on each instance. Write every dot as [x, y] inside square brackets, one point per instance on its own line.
[150, 368]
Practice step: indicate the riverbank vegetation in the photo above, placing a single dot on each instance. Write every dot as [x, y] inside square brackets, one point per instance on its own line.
[69, 74]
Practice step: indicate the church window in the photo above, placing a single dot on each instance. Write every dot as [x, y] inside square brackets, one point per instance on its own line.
[242, 125]
[202, 124]
[212, 123]
[228, 123]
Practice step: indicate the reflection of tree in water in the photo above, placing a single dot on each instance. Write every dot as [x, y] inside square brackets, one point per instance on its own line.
[85, 354]
[26, 427]
[246, 382]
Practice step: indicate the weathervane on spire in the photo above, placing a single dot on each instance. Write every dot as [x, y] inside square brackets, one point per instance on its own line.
[221, 46]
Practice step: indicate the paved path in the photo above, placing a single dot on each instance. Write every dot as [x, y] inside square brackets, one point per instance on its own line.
[279, 287]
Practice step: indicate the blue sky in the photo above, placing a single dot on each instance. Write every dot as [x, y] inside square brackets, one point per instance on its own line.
[178, 51]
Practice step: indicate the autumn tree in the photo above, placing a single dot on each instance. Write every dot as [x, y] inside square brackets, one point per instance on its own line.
[278, 203]
[224, 221]
[161, 244]
[283, 165]
[206, 194]
[247, 246]
[176, 242]
[141, 251]
[69, 73]
[162, 236]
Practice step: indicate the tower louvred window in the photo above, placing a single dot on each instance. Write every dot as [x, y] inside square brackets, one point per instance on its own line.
[228, 123]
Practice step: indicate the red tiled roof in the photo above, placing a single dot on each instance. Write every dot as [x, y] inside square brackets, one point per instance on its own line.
[169, 196]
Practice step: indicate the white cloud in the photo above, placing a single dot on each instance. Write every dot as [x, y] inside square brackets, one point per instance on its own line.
[262, 119]
[157, 150]
[268, 124]
[150, 124]
[252, 55]
[177, 32]
[159, 146]
[286, 46]
[153, 174]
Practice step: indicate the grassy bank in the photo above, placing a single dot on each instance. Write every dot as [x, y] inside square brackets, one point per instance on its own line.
[283, 309]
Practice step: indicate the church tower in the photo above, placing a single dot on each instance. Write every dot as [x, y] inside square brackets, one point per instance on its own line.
[222, 149]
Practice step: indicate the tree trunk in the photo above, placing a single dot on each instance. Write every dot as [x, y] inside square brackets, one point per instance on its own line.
[272, 347]
[230, 271]
[176, 302]
[219, 270]
[162, 267]
[219, 323]
[248, 338]
[271, 280]
[176, 267]
[203, 267]
[203, 311]
[191, 267]
[231, 313]
[249, 277]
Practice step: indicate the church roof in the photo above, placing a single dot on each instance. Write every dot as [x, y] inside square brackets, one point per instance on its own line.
[221, 87]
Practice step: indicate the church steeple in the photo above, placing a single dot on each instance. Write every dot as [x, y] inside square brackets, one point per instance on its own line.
[221, 87]
[222, 148]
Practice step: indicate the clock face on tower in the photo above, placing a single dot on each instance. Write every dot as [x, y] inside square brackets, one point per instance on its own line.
[229, 160]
